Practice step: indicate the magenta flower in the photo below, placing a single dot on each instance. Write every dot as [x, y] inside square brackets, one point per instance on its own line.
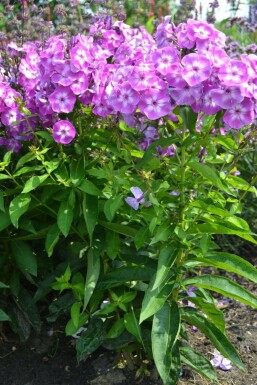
[233, 73]
[227, 97]
[155, 104]
[80, 56]
[124, 98]
[219, 361]
[63, 132]
[164, 58]
[197, 68]
[240, 115]
[62, 99]
[138, 198]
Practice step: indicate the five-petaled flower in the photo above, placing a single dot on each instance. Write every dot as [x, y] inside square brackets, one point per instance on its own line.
[63, 132]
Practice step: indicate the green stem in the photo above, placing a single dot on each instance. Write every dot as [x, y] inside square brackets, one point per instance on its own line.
[181, 223]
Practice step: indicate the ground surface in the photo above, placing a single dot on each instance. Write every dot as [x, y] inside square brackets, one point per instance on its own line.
[37, 364]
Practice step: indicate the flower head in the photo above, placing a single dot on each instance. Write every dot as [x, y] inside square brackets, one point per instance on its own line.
[220, 362]
[63, 132]
[138, 198]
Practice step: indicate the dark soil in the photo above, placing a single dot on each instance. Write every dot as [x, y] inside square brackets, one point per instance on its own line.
[51, 360]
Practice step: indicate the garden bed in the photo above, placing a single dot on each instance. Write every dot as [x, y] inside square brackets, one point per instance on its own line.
[51, 360]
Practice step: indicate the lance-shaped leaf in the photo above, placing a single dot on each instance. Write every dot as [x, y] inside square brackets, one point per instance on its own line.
[65, 215]
[93, 271]
[132, 325]
[219, 340]
[216, 228]
[224, 286]
[154, 299]
[166, 260]
[230, 262]
[197, 362]
[90, 212]
[4, 316]
[34, 182]
[215, 314]
[208, 173]
[165, 332]
[18, 206]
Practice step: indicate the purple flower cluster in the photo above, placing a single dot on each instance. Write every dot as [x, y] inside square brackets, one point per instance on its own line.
[124, 71]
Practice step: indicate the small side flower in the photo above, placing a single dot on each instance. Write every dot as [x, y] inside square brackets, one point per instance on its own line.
[63, 132]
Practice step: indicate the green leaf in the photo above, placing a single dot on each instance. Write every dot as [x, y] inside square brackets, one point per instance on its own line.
[230, 262]
[119, 228]
[93, 271]
[90, 340]
[132, 326]
[240, 183]
[223, 286]
[18, 207]
[71, 329]
[75, 313]
[52, 238]
[208, 173]
[197, 362]
[65, 217]
[154, 299]
[5, 220]
[77, 171]
[215, 228]
[24, 256]
[141, 237]
[90, 212]
[122, 275]
[27, 169]
[215, 314]
[116, 329]
[112, 205]
[4, 176]
[88, 187]
[165, 332]
[2, 202]
[166, 260]
[4, 316]
[189, 117]
[3, 285]
[25, 159]
[219, 340]
[149, 25]
[112, 241]
[34, 182]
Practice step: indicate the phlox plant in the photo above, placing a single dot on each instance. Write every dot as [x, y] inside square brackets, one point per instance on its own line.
[119, 167]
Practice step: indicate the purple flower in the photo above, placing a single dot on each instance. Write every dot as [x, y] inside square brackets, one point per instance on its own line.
[163, 58]
[233, 73]
[155, 104]
[240, 115]
[138, 198]
[62, 99]
[197, 68]
[124, 99]
[220, 362]
[63, 132]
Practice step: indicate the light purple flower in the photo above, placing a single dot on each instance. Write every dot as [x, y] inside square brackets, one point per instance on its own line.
[124, 98]
[196, 68]
[233, 73]
[63, 132]
[155, 104]
[164, 58]
[62, 99]
[227, 97]
[138, 198]
[240, 115]
[219, 361]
